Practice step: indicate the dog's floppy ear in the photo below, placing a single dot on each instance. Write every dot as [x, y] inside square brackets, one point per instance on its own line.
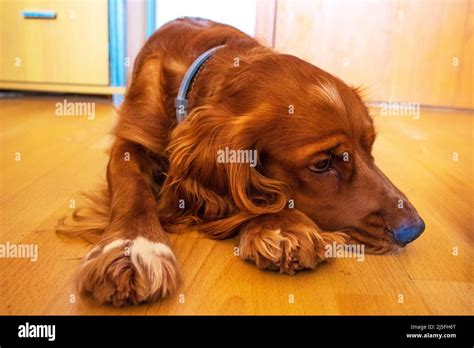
[201, 188]
[251, 191]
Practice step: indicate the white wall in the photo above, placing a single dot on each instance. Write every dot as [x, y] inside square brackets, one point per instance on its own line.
[136, 18]
[240, 14]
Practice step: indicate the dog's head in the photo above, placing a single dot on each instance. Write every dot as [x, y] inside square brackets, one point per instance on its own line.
[318, 141]
[313, 136]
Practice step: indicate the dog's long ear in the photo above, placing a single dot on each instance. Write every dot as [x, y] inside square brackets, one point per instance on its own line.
[251, 191]
[217, 194]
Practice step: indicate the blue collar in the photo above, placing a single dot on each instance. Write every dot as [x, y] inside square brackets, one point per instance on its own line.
[181, 103]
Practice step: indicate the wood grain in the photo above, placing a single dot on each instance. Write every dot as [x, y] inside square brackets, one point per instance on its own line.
[70, 49]
[62, 156]
[62, 88]
[411, 51]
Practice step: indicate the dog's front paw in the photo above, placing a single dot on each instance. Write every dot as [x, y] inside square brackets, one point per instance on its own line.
[129, 272]
[286, 246]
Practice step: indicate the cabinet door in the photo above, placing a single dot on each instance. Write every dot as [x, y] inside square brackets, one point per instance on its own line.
[405, 51]
[70, 48]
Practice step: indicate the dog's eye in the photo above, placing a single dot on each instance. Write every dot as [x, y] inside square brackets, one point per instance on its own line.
[321, 166]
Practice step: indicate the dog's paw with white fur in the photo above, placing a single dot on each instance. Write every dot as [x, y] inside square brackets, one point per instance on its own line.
[129, 272]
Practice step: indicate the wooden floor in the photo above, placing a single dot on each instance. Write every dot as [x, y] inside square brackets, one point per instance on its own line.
[61, 156]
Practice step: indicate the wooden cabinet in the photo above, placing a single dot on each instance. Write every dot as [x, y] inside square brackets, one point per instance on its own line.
[404, 51]
[70, 48]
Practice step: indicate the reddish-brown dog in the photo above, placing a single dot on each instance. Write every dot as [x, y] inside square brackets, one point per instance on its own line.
[313, 180]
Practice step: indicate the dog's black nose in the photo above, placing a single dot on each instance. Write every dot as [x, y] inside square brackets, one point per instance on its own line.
[408, 233]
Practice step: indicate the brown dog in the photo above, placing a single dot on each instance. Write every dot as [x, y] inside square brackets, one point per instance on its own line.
[312, 136]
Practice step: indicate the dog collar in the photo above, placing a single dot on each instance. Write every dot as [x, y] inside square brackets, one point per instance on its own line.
[181, 103]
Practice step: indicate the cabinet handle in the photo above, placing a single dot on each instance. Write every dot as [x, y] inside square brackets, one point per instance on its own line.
[39, 14]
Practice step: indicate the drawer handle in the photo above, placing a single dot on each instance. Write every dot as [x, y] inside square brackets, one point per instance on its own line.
[39, 14]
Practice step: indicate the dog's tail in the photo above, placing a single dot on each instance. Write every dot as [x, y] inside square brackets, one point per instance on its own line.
[87, 222]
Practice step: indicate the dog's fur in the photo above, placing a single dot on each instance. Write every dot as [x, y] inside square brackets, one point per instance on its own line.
[165, 177]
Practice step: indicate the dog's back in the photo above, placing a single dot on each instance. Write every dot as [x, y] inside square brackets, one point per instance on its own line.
[177, 44]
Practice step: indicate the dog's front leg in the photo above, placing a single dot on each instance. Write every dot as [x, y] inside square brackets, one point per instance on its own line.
[286, 242]
[133, 263]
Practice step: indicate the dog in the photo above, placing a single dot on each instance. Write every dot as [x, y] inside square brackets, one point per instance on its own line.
[313, 182]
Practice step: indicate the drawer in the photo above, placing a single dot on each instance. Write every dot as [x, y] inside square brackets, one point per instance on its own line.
[71, 48]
